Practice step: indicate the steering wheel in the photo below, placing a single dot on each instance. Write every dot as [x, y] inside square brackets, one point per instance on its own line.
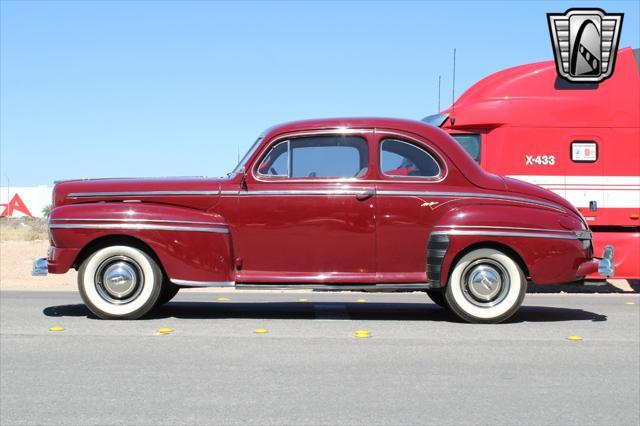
[273, 171]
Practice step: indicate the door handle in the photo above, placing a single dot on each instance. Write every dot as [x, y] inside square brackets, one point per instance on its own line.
[365, 195]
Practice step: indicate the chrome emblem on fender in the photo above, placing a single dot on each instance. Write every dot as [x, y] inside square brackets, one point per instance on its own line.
[585, 43]
[431, 204]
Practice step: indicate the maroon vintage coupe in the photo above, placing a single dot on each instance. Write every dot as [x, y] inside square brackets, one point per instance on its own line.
[342, 204]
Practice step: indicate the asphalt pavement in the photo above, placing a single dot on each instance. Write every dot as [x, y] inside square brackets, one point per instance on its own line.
[419, 365]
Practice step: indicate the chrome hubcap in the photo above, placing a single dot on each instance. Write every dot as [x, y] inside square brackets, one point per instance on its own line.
[485, 283]
[119, 280]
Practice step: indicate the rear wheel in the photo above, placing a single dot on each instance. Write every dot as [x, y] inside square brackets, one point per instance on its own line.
[120, 282]
[486, 286]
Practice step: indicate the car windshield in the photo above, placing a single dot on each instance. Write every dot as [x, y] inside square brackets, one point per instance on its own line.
[238, 168]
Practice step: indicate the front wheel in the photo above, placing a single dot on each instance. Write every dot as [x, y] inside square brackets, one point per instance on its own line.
[168, 292]
[120, 282]
[486, 286]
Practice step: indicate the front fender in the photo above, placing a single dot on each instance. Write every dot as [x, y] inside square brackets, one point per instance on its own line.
[191, 245]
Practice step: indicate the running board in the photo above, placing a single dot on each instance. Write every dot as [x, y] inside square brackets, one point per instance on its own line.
[317, 287]
[337, 287]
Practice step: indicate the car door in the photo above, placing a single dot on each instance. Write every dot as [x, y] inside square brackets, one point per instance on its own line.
[307, 211]
[409, 169]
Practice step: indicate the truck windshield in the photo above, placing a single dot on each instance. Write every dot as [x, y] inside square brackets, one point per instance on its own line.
[242, 162]
[470, 143]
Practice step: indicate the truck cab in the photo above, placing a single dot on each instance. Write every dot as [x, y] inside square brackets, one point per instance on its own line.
[579, 140]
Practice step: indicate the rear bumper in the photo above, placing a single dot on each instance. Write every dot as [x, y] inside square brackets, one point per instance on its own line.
[604, 266]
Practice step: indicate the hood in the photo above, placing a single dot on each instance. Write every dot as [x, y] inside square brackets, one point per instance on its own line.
[193, 192]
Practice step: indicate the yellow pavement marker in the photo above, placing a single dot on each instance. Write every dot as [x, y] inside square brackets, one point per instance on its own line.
[57, 328]
[629, 303]
[157, 333]
[260, 330]
[303, 300]
[223, 299]
[163, 331]
[363, 334]
[361, 300]
[574, 338]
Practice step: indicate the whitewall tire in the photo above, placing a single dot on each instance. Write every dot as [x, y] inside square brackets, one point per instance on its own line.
[485, 286]
[120, 282]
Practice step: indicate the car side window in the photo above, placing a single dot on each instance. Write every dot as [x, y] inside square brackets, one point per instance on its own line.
[331, 156]
[399, 159]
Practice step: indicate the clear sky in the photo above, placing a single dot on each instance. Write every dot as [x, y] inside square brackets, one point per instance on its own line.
[119, 88]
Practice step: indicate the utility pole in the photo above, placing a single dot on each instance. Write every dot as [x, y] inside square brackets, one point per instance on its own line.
[439, 83]
[8, 187]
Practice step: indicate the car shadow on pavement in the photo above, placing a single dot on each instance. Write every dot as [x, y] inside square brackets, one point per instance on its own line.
[329, 310]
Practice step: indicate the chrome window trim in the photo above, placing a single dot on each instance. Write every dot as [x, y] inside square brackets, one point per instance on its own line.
[189, 222]
[137, 227]
[139, 194]
[506, 234]
[288, 142]
[439, 159]
[189, 283]
[323, 132]
[426, 178]
[468, 195]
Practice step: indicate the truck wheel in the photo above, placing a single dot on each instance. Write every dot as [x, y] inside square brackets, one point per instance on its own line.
[437, 296]
[168, 292]
[120, 282]
[486, 286]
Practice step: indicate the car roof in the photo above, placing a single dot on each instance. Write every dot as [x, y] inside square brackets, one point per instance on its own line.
[445, 143]
[348, 123]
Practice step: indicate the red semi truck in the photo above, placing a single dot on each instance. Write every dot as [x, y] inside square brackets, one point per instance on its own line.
[580, 140]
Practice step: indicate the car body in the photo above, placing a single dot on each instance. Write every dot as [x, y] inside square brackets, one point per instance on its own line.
[342, 204]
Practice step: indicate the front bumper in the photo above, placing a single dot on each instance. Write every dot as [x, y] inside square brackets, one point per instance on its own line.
[58, 261]
[604, 266]
[40, 267]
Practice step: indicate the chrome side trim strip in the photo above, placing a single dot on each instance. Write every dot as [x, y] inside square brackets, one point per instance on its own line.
[138, 227]
[506, 234]
[140, 194]
[502, 227]
[187, 283]
[467, 195]
[302, 192]
[190, 222]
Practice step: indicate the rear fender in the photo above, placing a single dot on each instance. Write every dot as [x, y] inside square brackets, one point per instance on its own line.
[535, 237]
[192, 246]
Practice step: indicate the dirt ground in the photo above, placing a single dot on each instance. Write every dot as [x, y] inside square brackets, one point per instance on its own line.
[16, 261]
